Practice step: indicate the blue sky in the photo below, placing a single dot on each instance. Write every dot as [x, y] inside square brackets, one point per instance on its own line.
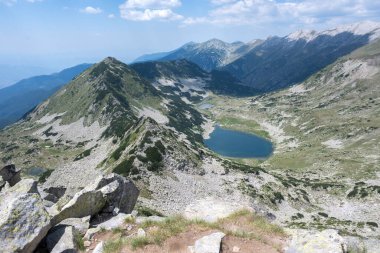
[56, 34]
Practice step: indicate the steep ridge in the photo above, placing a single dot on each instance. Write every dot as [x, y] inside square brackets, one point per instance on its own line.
[184, 78]
[208, 55]
[23, 96]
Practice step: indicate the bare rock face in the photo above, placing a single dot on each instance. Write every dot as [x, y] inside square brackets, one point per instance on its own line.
[62, 239]
[24, 222]
[10, 174]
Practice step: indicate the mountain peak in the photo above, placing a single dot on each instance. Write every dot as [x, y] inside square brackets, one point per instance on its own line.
[361, 28]
[110, 60]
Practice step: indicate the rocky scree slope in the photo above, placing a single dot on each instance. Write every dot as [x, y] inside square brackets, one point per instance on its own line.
[189, 81]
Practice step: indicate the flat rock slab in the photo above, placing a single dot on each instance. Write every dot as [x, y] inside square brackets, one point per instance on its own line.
[326, 241]
[208, 244]
[210, 209]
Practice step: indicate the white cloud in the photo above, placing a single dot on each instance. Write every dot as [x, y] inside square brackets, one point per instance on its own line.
[34, 1]
[91, 10]
[111, 16]
[146, 10]
[240, 12]
[156, 4]
[148, 14]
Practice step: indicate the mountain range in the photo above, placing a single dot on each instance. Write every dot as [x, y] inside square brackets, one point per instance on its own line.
[18, 99]
[276, 62]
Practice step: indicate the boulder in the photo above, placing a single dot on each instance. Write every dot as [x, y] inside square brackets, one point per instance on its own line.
[10, 174]
[120, 193]
[80, 224]
[24, 222]
[113, 222]
[208, 244]
[326, 241]
[62, 239]
[84, 203]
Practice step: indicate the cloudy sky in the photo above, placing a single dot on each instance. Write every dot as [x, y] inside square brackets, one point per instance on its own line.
[57, 34]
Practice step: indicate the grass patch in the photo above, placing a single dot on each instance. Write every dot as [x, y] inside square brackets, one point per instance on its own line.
[244, 125]
[157, 232]
[113, 246]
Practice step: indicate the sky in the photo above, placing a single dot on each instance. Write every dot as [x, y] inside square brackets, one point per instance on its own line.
[55, 34]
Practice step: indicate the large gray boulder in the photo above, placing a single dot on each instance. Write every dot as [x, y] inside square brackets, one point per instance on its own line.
[84, 203]
[106, 194]
[208, 244]
[120, 193]
[24, 222]
[10, 174]
[62, 239]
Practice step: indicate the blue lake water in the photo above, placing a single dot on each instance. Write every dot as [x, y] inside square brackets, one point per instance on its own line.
[237, 144]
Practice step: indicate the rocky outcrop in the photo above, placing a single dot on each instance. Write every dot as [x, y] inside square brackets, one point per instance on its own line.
[84, 203]
[24, 222]
[10, 174]
[62, 239]
[326, 241]
[208, 244]
[120, 193]
[106, 194]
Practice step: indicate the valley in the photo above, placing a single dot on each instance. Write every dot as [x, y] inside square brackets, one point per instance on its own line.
[299, 164]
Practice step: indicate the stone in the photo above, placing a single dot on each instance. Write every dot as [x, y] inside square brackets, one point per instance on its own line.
[235, 249]
[24, 222]
[10, 174]
[119, 192]
[62, 239]
[84, 203]
[208, 244]
[87, 244]
[326, 241]
[114, 222]
[141, 232]
[80, 224]
[99, 248]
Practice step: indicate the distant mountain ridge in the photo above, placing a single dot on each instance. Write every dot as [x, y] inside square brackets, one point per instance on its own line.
[277, 62]
[18, 99]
